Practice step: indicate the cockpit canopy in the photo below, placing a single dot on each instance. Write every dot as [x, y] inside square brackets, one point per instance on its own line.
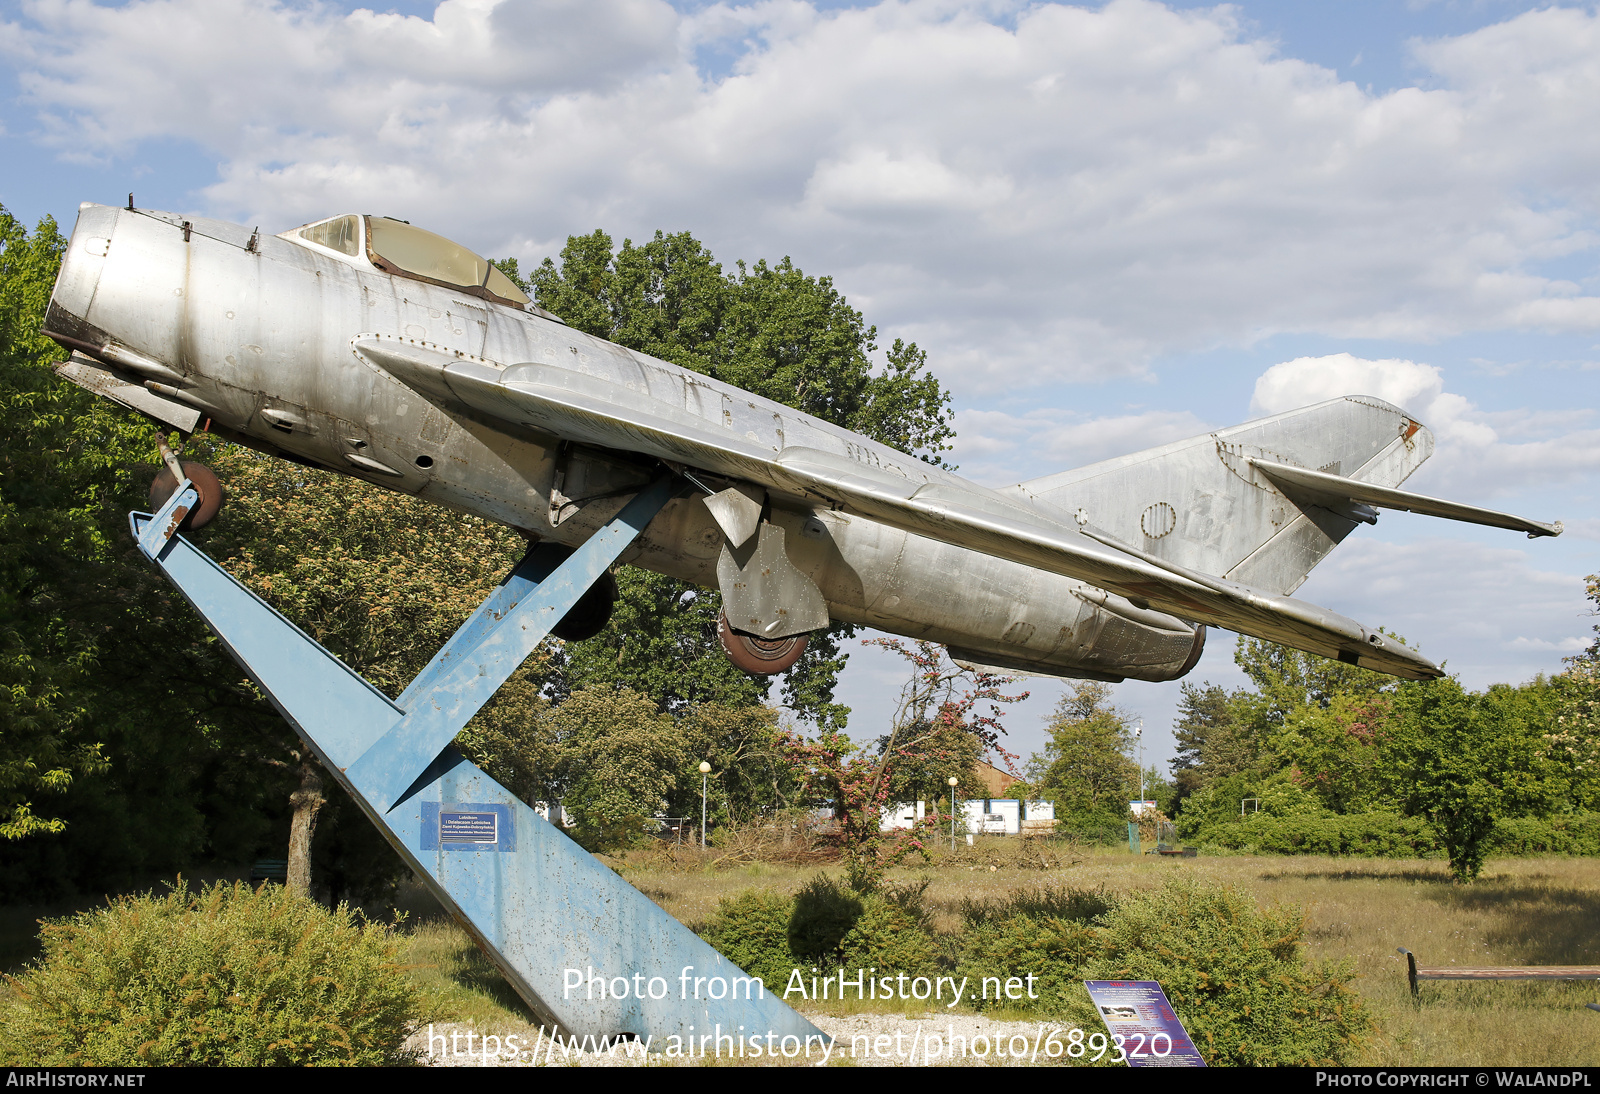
[398, 248]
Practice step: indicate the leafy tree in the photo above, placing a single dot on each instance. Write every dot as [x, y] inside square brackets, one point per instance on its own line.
[380, 579]
[1086, 768]
[618, 757]
[936, 731]
[939, 701]
[771, 330]
[1574, 740]
[752, 776]
[1341, 752]
[45, 660]
[1470, 759]
[662, 642]
[116, 706]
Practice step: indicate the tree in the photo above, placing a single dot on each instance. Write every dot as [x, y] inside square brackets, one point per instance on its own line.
[939, 699]
[1574, 739]
[1309, 725]
[773, 331]
[617, 758]
[1209, 739]
[1086, 767]
[116, 706]
[752, 777]
[1470, 759]
[380, 579]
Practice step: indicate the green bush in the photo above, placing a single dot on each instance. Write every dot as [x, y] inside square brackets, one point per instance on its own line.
[894, 933]
[1234, 973]
[824, 912]
[1362, 834]
[1046, 933]
[231, 976]
[826, 926]
[1389, 835]
[752, 931]
[1566, 834]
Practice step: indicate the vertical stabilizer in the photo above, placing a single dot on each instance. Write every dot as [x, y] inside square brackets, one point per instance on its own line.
[1201, 504]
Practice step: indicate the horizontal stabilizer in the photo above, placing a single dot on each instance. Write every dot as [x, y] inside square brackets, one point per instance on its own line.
[1335, 492]
[551, 400]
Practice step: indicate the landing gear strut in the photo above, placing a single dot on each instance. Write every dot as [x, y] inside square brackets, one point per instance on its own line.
[760, 656]
[201, 477]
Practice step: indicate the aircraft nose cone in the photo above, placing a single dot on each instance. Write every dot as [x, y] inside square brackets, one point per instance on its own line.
[81, 266]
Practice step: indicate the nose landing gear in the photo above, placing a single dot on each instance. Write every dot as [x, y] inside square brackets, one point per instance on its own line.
[205, 482]
[201, 477]
[756, 655]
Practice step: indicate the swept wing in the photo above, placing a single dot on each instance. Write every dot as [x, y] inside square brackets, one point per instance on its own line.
[549, 399]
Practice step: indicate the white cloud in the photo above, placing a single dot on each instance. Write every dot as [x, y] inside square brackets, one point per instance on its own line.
[1479, 454]
[1311, 379]
[1033, 191]
[1488, 613]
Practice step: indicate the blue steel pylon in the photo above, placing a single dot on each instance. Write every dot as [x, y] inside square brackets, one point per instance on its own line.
[587, 951]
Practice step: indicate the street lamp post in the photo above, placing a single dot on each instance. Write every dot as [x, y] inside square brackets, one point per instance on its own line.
[953, 781]
[705, 771]
[1138, 735]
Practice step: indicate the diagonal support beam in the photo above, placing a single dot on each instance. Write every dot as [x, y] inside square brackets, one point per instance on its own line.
[553, 918]
[489, 647]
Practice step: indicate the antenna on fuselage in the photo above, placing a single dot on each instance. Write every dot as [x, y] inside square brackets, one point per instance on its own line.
[130, 201]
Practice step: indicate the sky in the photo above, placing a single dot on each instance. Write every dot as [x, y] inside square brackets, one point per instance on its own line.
[1109, 225]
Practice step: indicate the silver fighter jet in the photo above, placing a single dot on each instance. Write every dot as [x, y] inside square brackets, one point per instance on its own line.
[370, 347]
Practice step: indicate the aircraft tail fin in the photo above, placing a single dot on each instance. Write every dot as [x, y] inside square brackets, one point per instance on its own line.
[1260, 503]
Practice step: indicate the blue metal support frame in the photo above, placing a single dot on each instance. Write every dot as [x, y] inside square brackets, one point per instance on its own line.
[587, 951]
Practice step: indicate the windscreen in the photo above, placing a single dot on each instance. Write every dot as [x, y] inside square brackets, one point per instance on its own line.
[341, 234]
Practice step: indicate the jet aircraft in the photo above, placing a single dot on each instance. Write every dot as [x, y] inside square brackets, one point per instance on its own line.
[368, 346]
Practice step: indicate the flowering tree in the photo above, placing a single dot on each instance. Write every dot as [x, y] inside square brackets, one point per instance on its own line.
[946, 716]
[1574, 738]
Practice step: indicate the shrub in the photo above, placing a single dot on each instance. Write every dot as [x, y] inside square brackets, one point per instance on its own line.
[1391, 835]
[230, 976]
[1362, 834]
[1046, 933]
[827, 926]
[752, 931]
[893, 933]
[824, 912]
[1564, 834]
[1235, 974]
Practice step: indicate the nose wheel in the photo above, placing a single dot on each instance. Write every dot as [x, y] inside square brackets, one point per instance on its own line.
[756, 655]
[206, 485]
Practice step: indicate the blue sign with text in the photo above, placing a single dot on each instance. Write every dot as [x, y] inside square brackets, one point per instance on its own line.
[466, 826]
[1143, 1024]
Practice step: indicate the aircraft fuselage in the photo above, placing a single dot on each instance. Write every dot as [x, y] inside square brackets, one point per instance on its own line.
[255, 333]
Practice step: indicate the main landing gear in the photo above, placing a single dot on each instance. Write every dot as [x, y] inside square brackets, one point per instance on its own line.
[756, 655]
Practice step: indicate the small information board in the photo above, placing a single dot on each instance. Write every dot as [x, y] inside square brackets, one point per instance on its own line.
[466, 826]
[1143, 1024]
[469, 827]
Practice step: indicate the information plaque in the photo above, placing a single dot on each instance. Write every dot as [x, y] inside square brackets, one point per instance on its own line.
[1143, 1024]
[466, 826]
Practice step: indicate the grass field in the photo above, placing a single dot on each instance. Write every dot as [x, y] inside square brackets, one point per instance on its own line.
[1522, 912]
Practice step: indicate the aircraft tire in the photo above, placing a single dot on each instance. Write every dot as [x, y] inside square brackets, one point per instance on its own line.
[205, 483]
[760, 656]
[589, 616]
